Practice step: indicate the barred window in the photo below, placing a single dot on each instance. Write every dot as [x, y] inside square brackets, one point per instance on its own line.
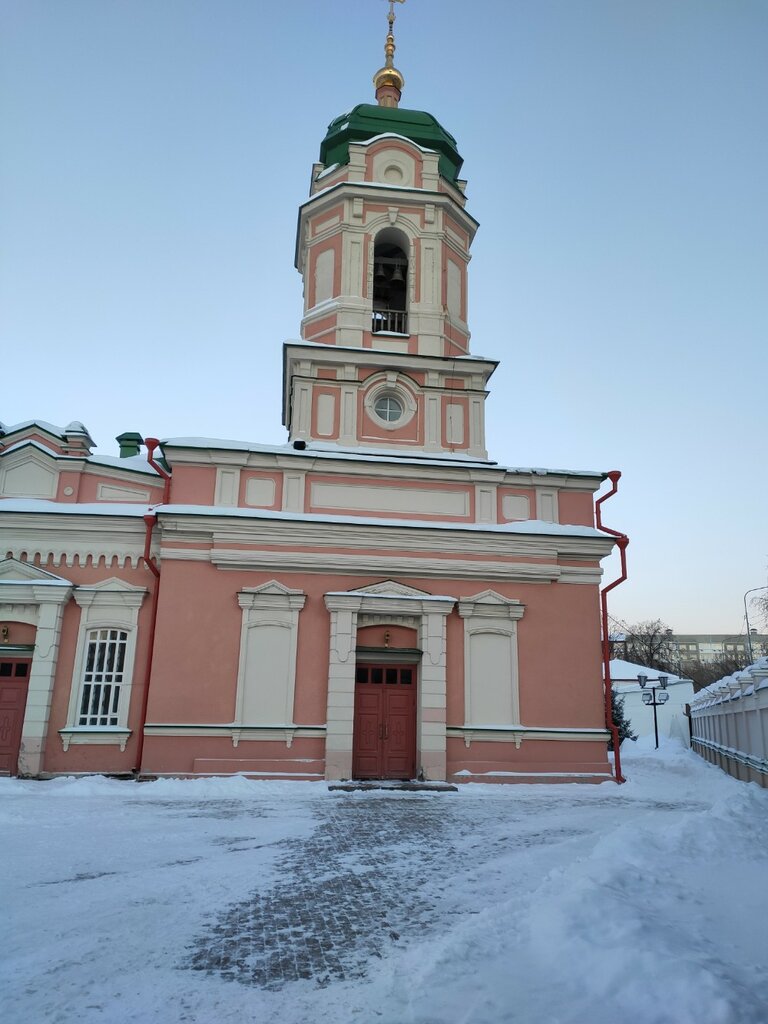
[102, 677]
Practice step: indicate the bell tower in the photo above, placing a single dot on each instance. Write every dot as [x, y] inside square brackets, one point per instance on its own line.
[383, 248]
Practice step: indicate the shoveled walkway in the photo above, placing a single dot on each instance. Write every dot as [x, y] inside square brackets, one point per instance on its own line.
[349, 892]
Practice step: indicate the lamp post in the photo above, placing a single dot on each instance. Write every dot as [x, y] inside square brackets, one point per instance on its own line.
[746, 619]
[653, 698]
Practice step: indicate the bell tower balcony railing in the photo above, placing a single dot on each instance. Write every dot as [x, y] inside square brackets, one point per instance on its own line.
[390, 321]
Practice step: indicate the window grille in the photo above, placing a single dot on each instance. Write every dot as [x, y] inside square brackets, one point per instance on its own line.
[103, 677]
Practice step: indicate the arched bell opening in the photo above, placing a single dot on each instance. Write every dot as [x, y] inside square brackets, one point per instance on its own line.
[390, 283]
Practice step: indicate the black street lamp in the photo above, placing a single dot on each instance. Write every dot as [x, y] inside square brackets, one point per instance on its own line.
[651, 699]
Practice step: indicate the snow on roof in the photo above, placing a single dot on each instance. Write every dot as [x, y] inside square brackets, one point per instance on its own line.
[327, 450]
[627, 672]
[308, 343]
[371, 184]
[388, 135]
[101, 508]
[534, 527]
[328, 170]
[745, 679]
[530, 526]
[49, 428]
[134, 463]
[36, 583]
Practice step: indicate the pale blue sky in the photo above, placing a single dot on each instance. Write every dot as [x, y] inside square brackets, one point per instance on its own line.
[154, 152]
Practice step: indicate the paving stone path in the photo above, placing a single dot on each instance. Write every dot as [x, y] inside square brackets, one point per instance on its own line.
[374, 873]
[350, 891]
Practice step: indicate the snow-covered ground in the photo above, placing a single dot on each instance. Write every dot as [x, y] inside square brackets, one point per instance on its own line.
[222, 901]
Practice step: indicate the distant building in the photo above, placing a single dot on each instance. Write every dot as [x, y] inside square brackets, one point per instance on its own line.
[705, 648]
[709, 647]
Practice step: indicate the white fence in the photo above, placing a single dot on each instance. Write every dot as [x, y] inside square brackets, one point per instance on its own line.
[729, 723]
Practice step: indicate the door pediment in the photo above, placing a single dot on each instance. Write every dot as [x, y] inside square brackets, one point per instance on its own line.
[14, 571]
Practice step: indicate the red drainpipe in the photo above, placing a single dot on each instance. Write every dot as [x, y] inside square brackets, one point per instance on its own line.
[152, 444]
[149, 521]
[622, 541]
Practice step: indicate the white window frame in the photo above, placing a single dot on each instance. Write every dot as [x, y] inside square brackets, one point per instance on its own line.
[104, 672]
[394, 400]
[110, 605]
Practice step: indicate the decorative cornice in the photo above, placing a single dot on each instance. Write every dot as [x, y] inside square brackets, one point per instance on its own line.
[60, 539]
[345, 533]
[399, 195]
[372, 565]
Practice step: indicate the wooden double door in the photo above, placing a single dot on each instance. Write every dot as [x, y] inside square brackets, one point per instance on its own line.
[14, 683]
[384, 745]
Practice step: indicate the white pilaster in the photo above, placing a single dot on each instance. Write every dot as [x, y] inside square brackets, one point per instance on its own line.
[50, 602]
[341, 685]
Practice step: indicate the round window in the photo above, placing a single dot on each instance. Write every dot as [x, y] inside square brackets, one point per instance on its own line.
[389, 408]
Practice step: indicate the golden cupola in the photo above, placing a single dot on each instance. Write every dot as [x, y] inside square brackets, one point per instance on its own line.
[388, 80]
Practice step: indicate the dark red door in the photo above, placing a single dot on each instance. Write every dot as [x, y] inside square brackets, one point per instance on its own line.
[14, 680]
[385, 722]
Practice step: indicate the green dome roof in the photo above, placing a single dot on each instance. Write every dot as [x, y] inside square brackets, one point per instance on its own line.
[367, 120]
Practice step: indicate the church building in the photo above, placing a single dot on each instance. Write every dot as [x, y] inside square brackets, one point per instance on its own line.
[374, 599]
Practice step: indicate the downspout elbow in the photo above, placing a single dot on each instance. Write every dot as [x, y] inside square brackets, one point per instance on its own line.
[149, 522]
[152, 444]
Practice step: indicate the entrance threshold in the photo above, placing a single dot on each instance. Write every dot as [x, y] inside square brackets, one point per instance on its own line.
[396, 785]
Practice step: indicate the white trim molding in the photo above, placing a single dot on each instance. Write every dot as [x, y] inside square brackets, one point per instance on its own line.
[491, 682]
[266, 672]
[517, 733]
[113, 605]
[387, 602]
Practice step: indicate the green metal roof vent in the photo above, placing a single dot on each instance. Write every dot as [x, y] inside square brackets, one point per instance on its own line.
[366, 121]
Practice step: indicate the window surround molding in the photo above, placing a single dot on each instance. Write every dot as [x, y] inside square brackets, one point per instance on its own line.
[490, 613]
[109, 604]
[389, 383]
[273, 605]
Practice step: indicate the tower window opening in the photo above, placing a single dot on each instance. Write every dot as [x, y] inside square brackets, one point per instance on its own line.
[390, 288]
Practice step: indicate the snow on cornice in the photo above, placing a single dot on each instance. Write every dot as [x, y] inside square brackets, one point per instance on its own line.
[325, 450]
[531, 527]
[535, 527]
[389, 135]
[73, 508]
[134, 463]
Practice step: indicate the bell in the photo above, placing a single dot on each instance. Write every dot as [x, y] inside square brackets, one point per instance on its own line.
[378, 273]
[397, 275]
